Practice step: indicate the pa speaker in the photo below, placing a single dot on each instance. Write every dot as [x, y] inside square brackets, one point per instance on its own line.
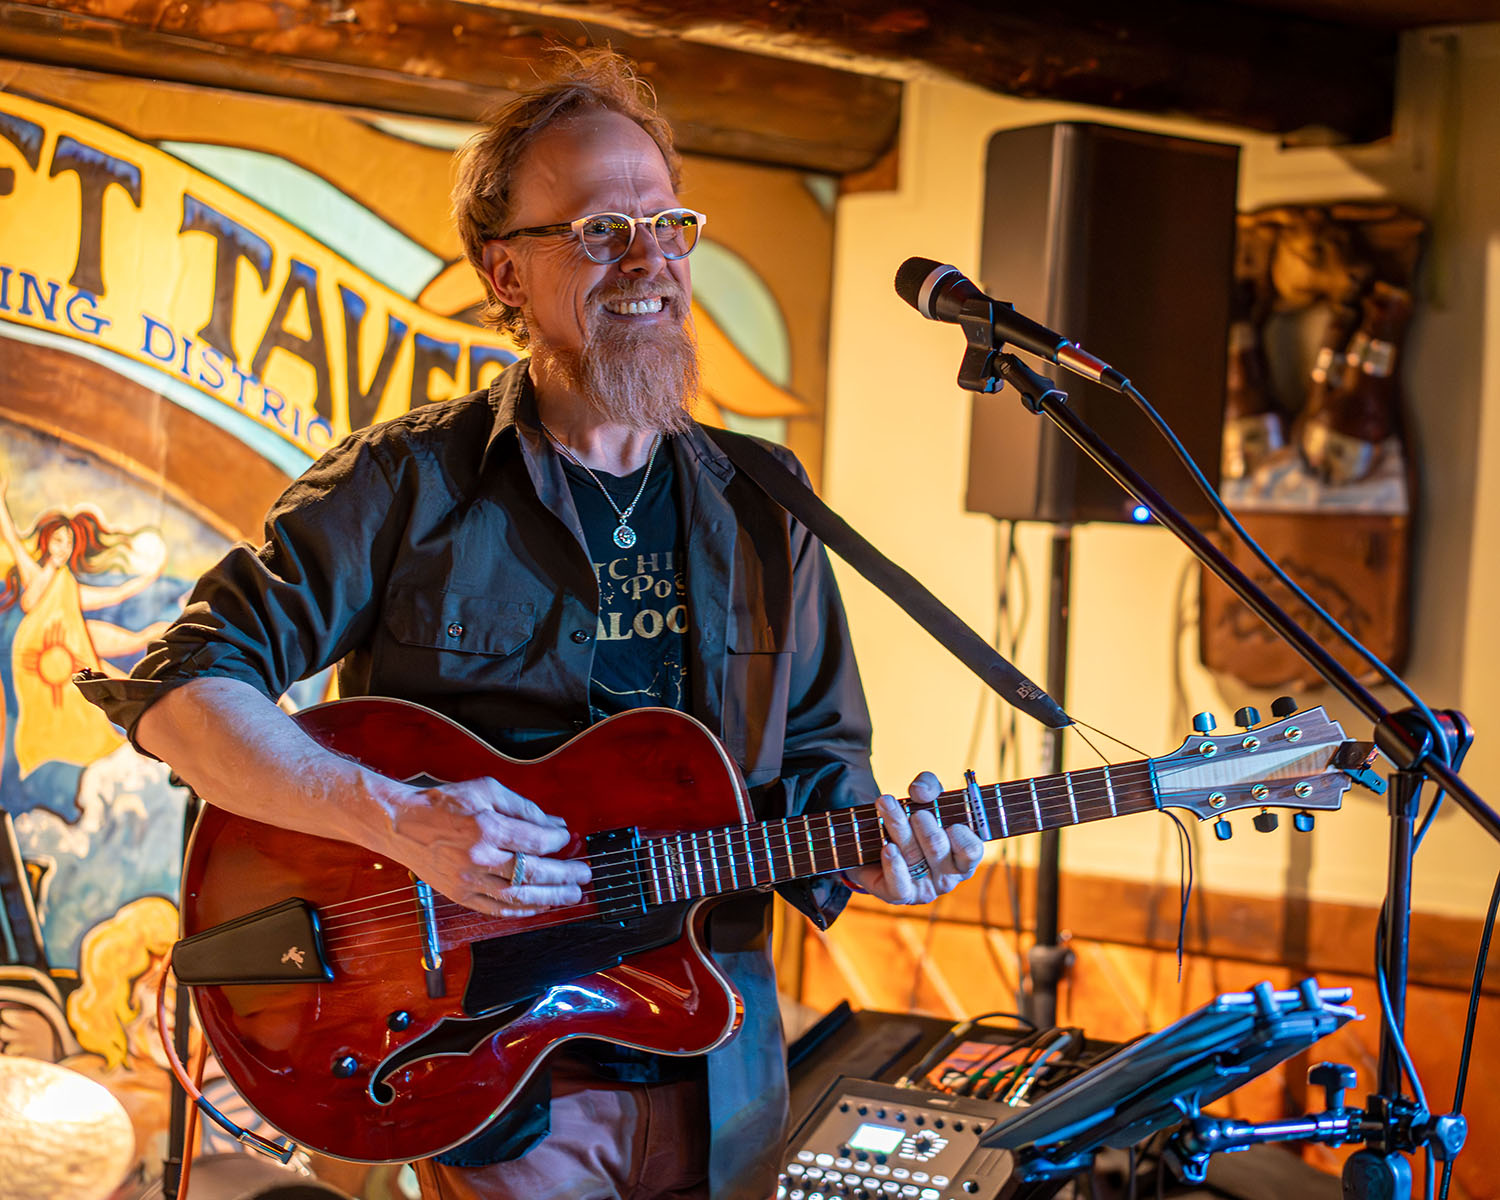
[1124, 242]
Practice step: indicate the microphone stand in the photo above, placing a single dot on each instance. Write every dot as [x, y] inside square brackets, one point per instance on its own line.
[1392, 1125]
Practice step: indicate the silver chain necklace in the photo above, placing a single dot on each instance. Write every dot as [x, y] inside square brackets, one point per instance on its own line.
[624, 535]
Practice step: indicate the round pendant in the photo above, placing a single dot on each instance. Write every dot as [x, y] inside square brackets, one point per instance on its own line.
[624, 537]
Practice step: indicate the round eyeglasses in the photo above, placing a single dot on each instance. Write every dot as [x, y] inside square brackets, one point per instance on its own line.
[606, 237]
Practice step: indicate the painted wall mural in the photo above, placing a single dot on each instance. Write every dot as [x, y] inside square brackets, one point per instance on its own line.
[199, 292]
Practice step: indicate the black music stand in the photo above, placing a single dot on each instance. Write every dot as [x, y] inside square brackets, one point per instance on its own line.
[1162, 1078]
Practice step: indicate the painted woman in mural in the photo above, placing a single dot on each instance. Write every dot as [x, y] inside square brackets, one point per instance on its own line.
[54, 639]
[113, 1013]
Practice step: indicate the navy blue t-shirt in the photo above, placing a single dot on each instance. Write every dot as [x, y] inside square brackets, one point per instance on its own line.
[640, 657]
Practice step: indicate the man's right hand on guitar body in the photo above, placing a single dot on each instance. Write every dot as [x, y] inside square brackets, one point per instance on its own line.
[242, 753]
[468, 839]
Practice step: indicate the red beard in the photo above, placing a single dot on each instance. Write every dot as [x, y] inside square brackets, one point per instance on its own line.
[644, 376]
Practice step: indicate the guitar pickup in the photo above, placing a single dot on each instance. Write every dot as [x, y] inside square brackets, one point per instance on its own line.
[626, 896]
[1354, 759]
[279, 944]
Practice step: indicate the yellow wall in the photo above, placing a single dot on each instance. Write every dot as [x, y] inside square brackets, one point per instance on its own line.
[897, 455]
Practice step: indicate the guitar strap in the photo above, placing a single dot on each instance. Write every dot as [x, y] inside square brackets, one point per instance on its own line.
[777, 482]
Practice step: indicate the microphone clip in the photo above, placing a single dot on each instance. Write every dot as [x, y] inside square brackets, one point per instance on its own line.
[976, 371]
[987, 369]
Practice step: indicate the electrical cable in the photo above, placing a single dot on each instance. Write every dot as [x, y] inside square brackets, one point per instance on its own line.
[192, 1125]
[1439, 743]
[1439, 746]
[1437, 800]
[950, 1039]
[1432, 811]
[1390, 1021]
[1032, 1052]
[1184, 883]
[1184, 842]
[985, 1077]
[281, 1151]
[1052, 1050]
[1481, 961]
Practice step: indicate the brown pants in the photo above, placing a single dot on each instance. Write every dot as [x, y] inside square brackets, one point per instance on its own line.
[609, 1141]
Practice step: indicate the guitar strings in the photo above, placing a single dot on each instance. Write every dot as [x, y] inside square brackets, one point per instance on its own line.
[607, 886]
[627, 855]
[603, 882]
[1047, 788]
[453, 918]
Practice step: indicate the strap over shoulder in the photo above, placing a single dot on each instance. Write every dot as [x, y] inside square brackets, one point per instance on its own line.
[773, 478]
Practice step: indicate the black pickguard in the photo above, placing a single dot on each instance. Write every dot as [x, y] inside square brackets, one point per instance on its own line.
[510, 970]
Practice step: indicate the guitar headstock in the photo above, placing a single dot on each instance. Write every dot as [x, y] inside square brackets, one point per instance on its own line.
[1302, 761]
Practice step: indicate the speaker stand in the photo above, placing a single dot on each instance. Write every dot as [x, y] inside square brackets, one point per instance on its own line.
[1049, 960]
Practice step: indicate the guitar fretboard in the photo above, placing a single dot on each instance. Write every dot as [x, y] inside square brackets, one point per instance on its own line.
[689, 866]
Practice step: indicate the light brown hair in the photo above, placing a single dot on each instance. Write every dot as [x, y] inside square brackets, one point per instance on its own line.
[592, 79]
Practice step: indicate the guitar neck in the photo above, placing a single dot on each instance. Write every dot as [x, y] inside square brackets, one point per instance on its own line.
[689, 866]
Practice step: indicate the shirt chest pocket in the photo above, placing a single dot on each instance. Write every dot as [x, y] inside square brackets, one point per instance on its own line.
[427, 619]
[756, 691]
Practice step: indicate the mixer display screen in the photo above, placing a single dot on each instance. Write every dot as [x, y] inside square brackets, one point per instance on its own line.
[879, 1139]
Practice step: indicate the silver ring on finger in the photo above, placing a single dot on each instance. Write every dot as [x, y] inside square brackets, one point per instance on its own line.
[919, 870]
[518, 872]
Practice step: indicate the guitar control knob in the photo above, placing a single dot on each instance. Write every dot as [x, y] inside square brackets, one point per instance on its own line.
[345, 1065]
[398, 1020]
[1223, 830]
[1247, 717]
[1283, 706]
[1204, 723]
[1303, 822]
[1266, 822]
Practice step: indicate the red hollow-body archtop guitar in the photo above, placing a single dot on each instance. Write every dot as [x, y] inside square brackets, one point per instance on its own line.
[371, 1018]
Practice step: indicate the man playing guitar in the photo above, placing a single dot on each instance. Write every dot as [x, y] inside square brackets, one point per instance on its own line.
[529, 560]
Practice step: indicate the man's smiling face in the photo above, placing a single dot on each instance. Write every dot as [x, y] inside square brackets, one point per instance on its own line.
[595, 162]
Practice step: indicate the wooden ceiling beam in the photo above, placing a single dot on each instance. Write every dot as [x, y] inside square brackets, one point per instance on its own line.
[1303, 77]
[721, 66]
[442, 58]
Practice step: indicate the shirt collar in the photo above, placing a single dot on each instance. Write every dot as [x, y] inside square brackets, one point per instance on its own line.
[513, 401]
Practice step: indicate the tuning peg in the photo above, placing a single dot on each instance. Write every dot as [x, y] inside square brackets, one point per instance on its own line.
[1303, 821]
[1247, 717]
[1204, 723]
[1283, 706]
[1266, 822]
[1223, 830]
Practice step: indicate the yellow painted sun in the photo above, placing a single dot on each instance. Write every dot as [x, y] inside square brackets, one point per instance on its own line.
[53, 662]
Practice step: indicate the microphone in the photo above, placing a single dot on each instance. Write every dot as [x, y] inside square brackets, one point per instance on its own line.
[941, 293]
